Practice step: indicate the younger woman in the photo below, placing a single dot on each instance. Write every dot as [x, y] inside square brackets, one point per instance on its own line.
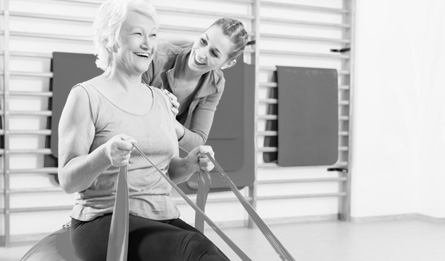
[192, 72]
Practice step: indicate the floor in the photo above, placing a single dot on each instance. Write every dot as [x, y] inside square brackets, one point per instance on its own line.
[398, 240]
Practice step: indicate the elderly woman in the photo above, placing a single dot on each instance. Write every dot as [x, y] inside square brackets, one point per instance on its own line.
[192, 72]
[102, 119]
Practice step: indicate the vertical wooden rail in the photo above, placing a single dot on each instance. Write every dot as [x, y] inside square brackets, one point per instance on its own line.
[6, 187]
[345, 202]
[255, 60]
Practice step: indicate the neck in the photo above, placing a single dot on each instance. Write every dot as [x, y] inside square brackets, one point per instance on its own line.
[127, 81]
[190, 75]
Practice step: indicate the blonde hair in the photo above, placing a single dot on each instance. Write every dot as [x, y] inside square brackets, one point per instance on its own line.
[108, 23]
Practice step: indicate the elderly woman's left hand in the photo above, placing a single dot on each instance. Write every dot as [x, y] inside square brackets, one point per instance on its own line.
[199, 159]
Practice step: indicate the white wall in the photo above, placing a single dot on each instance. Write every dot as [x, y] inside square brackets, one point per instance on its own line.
[36, 190]
[399, 114]
[398, 123]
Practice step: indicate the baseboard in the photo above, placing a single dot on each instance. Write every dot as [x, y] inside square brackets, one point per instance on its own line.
[430, 218]
[408, 216]
[277, 221]
[22, 240]
[26, 239]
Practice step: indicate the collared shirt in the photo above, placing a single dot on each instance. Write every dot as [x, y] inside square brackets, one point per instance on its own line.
[168, 62]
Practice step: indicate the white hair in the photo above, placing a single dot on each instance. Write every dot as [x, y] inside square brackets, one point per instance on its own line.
[108, 23]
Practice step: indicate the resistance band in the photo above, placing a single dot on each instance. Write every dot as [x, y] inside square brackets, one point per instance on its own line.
[118, 237]
[276, 244]
[279, 248]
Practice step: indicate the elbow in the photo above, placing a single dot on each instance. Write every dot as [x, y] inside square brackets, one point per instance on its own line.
[201, 138]
[64, 184]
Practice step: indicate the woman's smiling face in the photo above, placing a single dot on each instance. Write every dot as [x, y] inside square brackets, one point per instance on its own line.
[210, 51]
[137, 43]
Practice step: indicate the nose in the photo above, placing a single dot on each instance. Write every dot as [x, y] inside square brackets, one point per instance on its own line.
[148, 43]
[203, 52]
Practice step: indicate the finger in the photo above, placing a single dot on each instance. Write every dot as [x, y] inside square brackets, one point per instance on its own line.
[206, 149]
[127, 138]
[203, 158]
[175, 111]
[126, 142]
[124, 146]
[125, 159]
[175, 103]
[174, 99]
[206, 164]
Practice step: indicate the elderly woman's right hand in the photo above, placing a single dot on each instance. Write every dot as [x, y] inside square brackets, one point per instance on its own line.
[199, 159]
[118, 149]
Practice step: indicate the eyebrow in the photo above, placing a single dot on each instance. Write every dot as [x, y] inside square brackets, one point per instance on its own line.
[216, 49]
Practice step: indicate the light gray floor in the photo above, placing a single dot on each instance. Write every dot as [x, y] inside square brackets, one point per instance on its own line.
[400, 240]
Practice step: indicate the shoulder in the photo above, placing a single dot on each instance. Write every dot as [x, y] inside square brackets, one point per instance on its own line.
[158, 93]
[79, 92]
[218, 79]
[83, 99]
[77, 105]
[171, 49]
[86, 91]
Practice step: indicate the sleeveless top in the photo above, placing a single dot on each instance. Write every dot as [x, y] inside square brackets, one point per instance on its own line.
[149, 192]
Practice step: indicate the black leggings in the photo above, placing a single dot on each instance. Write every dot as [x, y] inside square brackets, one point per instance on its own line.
[151, 240]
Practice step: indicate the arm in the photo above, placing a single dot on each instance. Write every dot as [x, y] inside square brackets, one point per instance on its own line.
[200, 123]
[181, 169]
[77, 167]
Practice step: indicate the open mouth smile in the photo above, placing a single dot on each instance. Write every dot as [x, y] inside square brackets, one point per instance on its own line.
[143, 55]
[198, 61]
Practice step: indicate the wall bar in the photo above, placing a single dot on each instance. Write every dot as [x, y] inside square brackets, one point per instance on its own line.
[36, 190]
[30, 132]
[306, 54]
[288, 181]
[29, 113]
[320, 195]
[96, 2]
[162, 9]
[30, 151]
[305, 7]
[274, 68]
[30, 171]
[304, 38]
[31, 94]
[305, 23]
[5, 96]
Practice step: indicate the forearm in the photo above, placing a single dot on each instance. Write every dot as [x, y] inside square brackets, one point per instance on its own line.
[80, 172]
[191, 140]
[180, 130]
[200, 125]
[180, 169]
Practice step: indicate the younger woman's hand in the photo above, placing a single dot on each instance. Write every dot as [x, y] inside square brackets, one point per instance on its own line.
[173, 100]
[199, 160]
[118, 149]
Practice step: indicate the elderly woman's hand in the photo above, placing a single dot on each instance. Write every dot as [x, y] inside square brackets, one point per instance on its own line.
[118, 149]
[199, 159]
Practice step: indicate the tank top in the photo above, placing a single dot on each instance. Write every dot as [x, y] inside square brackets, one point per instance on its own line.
[149, 192]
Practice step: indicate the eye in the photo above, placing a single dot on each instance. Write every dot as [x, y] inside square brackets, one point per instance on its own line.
[214, 54]
[138, 33]
[203, 41]
[153, 35]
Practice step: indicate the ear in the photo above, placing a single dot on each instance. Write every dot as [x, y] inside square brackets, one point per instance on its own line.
[115, 47]
[228, 64]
